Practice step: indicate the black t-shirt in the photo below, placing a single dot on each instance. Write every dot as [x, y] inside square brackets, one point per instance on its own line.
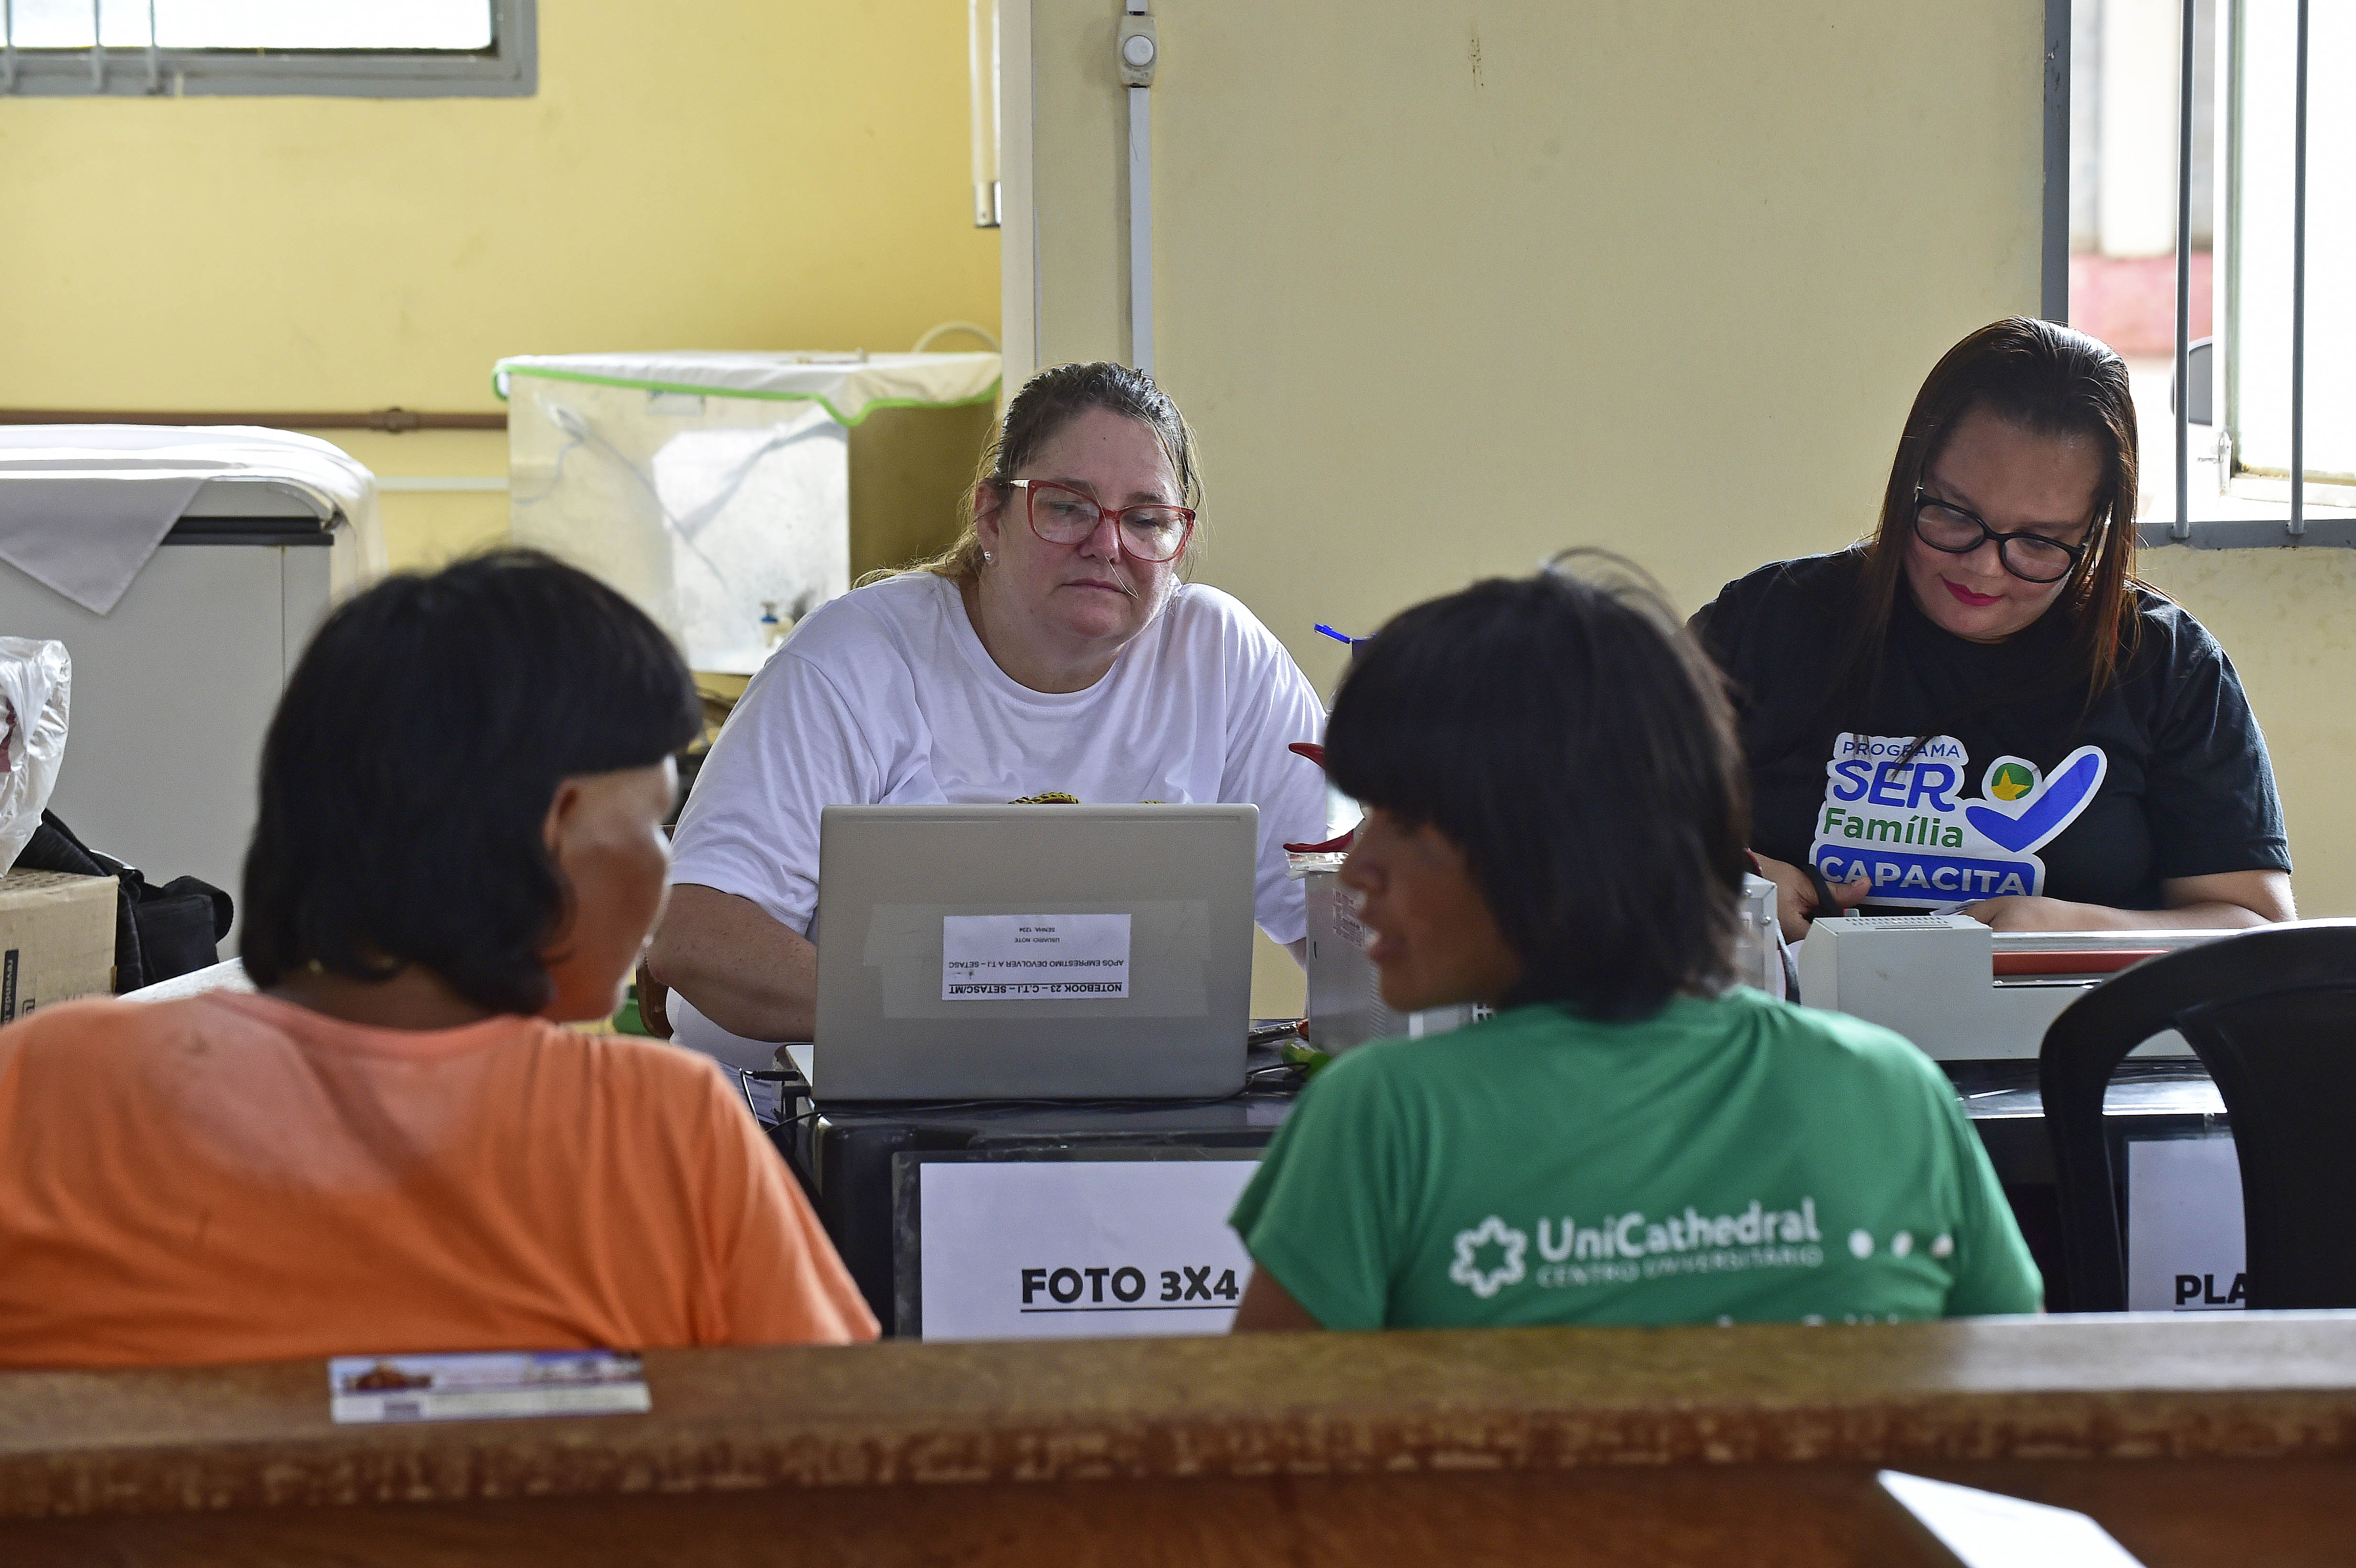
[2020, 788]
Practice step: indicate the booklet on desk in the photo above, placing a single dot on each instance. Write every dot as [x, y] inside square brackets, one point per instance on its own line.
[493, 1385]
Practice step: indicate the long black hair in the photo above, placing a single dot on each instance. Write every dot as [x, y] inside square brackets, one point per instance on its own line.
[412, 759]
[1576, 744]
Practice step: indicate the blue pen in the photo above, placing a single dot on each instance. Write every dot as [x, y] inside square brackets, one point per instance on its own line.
[1341, 637]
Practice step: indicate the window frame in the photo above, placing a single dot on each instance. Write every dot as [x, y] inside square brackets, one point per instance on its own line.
[510, 67]
[2312, 521]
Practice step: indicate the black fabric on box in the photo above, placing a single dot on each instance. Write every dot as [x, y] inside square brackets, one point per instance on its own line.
[159, 932]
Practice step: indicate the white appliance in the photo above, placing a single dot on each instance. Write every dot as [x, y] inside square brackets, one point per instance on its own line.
[175, 685]
[1963, 992]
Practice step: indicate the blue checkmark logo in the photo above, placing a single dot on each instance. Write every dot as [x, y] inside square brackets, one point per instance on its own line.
[2067, 792]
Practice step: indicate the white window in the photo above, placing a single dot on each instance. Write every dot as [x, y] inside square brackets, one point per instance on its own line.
[2136, 186]
[2261, 60]
[386, 49]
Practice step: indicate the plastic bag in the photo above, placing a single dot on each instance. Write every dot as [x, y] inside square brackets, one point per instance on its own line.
[35, 677]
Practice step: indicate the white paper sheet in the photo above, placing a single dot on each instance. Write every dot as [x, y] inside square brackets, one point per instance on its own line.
[1079, 1248]
[2185, 1245]
[1033, 957]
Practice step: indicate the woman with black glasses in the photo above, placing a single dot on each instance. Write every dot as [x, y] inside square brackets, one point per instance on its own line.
[1981, 708]
[1055, 654]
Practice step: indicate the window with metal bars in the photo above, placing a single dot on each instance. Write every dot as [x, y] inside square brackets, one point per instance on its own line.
[366, 48]
[2171, 121]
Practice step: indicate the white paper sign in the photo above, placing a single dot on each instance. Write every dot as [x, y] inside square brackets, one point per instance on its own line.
[1030, 957]
[2184, 1226]
[1080, 1248]
[1989, 1529]
[365, 1390]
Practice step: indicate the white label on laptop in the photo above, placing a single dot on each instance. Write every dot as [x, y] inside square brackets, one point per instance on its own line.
[1030, 957]
[497, 1384]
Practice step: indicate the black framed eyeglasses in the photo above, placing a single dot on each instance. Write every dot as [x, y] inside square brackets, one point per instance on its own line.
[2032, 558]
[1061, 514]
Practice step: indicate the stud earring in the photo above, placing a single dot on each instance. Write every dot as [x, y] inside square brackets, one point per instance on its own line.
[987, 557]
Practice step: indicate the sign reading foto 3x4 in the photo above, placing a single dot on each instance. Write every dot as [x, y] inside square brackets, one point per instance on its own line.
[1017, 1249]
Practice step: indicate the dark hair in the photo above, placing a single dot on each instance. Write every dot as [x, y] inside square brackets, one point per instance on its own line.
[2050, 380]
[412, 759]
[1566, 734]
[1047, 402]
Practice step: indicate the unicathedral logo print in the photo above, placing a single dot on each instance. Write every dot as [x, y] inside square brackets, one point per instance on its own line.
[1491, 1232]
[1894, 810]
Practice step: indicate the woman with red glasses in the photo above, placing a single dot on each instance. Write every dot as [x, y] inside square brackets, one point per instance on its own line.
[1981, 709]
[1055, 654]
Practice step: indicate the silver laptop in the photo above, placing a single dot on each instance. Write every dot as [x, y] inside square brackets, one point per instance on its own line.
[1032, 952]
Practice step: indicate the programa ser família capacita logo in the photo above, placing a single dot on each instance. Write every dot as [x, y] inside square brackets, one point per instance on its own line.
[1894, 810]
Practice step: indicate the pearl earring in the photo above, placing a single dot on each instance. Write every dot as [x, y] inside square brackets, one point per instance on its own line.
[987, 557]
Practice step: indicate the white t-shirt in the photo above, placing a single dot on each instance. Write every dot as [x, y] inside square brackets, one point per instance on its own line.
[886, 696]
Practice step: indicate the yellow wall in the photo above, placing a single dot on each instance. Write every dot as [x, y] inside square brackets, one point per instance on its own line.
[750, 174]
[1446, 287]
[2287, 619]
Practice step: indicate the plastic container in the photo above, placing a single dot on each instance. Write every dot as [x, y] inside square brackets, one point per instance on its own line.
[706, 486]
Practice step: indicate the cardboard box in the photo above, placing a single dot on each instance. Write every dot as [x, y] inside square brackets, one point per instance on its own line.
[57, 939]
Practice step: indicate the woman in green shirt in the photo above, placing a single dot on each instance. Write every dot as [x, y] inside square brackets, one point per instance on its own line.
[1556, 818]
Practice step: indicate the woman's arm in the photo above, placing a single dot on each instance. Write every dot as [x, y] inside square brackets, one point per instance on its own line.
[1268, 1308]
[746, 972]
[2227, 901]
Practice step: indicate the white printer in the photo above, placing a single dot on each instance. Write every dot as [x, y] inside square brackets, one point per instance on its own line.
[1963, 992]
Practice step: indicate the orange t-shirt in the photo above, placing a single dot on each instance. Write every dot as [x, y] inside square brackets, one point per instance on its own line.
[234, 1178]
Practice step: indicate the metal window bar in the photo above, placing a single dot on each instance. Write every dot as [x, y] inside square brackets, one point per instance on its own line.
[2299, 292]
[2183, 399]
[2054, 266]
[2180, 529]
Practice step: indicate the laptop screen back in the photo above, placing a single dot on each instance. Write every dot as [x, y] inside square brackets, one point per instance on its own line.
[1046, 951]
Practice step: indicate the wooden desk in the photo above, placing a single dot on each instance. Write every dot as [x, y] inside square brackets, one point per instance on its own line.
[2208, 1440]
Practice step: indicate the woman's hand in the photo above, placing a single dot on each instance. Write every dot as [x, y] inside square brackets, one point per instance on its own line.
[2227, 901]
[1795, 894]
[2021, 913]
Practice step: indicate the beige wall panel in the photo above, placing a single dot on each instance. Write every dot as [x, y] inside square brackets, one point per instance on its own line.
[1079, 195]
[1448, 287]
[2287, 619]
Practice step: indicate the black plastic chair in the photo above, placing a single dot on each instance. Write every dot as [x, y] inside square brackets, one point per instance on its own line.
[2271, 1015]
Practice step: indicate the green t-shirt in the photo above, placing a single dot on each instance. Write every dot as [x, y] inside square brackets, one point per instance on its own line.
[1732, 1158]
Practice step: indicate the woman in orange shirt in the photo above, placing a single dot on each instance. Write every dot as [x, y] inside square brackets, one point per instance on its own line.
[395, 1146]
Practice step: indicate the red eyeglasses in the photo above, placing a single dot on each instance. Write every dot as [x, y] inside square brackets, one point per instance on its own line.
[1061, 514]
